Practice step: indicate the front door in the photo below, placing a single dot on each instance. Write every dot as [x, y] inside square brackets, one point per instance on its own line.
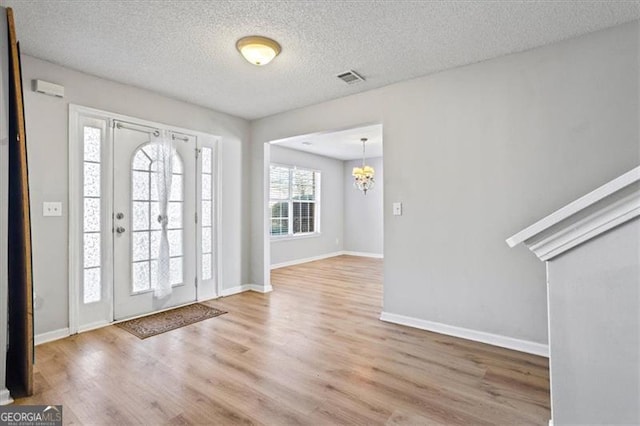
[137, 229]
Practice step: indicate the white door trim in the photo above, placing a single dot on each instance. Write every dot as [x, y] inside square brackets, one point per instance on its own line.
[76, 205]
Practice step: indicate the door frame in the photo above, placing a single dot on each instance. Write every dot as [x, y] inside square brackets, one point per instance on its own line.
[75, 265]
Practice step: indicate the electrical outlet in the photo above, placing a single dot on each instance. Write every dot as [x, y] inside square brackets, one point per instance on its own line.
[52, 208]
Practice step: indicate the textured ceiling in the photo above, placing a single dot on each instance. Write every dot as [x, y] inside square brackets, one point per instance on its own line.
[343, 144]
[186, 49]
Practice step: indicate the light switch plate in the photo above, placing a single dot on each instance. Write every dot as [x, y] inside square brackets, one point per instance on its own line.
[397, 209]
[52, 208]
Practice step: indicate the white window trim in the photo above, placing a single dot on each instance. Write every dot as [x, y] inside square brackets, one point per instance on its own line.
[317, 201]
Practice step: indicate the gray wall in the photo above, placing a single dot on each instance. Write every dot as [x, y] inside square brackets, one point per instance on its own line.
[363, 214]
[331, 210]
[594, 307]
[47, 125]
[475, 154]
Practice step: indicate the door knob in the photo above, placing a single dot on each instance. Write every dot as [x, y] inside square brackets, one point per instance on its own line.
[120, 229]
[119, 215]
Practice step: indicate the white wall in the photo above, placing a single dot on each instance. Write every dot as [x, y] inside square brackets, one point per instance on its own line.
[330, 239]
[363, 214]
[47, 122]
[475, 154]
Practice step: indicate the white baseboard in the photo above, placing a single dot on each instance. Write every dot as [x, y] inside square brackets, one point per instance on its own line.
[259, 288]
[465, 333]
[246, 287]
[306, 259]
[50, 336]
[326, 256]
[5, 397]
[233, 290]
[93, 326]
[364, 254]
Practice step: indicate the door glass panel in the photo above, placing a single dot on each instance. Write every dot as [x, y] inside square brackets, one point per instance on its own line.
[176, 188]
[92, 279]
[140, 246]
[92, 142]
[206, 220]
[91, 249]
[206, 186]
[206, 266]
[145, 240]
[140, 187]
[175, 242]
[206, 213]
[140, 276]
[92, 285]
[140, 215]
[175, 214]
[91, 179]
[92, 215]
[175, 268]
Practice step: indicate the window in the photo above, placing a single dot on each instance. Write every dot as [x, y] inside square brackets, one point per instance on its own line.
[146, 228]
[92, 241]
[206, 177]
[294, 200]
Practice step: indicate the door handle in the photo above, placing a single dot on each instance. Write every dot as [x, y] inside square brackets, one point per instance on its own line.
[120, 229]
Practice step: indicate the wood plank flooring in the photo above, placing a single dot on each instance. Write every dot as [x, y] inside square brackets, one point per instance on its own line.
[312, 352]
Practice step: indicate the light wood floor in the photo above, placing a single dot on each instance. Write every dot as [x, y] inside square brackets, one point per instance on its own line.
[312, 352]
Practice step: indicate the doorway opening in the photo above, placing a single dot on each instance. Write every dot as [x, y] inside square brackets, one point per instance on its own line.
[312, 208]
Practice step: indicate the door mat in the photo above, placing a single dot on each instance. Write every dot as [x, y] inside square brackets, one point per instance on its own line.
[161, 322]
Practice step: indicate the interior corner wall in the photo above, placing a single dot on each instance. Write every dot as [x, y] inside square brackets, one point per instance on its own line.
[330, 239]
[47, 142]
[475, 154]
[363, 214]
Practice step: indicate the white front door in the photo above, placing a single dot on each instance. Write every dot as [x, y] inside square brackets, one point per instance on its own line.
[137, 229]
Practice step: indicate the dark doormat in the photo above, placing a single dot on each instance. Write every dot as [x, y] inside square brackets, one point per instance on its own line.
[169, 320]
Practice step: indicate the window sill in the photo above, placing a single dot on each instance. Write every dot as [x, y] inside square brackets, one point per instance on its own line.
[295, 237]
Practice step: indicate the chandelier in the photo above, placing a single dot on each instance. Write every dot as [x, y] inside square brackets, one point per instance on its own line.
[363, 175]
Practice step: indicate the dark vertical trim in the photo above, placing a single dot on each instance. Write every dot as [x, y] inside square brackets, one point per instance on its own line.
[21, 350]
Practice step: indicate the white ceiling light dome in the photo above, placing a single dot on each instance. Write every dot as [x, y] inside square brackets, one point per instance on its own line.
[258, 50]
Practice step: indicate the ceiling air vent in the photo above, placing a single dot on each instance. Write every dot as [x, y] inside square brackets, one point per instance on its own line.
[350, 77]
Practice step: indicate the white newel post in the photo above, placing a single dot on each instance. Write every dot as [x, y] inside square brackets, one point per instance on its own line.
[592, 251]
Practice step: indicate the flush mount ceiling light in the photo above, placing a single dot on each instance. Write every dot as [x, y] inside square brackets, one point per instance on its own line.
[258, 50]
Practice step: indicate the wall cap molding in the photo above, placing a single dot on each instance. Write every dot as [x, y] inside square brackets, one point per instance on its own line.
[468, 334]
[610, 205]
